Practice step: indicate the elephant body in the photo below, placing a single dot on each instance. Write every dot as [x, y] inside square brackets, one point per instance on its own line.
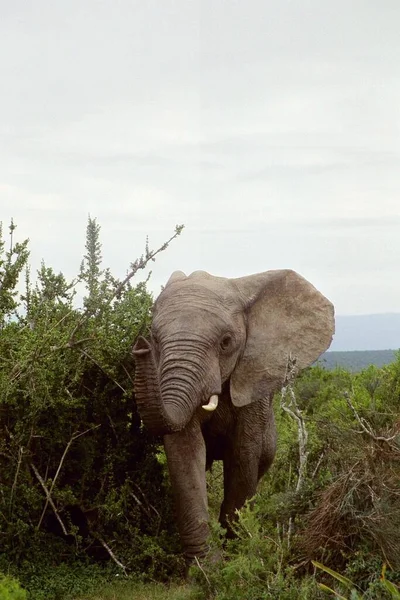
[218, 351]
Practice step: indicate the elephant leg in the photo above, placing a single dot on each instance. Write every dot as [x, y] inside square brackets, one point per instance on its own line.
[249, 455]
[186, 458]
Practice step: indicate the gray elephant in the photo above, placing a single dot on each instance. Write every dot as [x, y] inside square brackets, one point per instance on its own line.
[218, 351]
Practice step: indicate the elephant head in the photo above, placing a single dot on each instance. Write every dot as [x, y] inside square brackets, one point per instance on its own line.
[208, 331]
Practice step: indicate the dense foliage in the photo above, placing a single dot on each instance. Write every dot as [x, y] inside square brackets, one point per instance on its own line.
[332, 494]
[79, 478]
[84, 494]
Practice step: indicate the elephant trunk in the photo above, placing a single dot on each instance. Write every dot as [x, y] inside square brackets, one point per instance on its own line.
[166, 403]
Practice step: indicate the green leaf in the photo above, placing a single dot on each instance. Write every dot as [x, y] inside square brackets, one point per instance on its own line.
[393, 589]
[346, 582]
[326, 588]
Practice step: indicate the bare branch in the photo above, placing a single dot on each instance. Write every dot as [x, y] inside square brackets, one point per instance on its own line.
[365, 426]
[111, 553]
[147, 507]
[291, 407]
[146, 501]
[49, 498]
[140, 263]
[203, 571]
[14, 485]
[71, 344]
[74, 437]
[143, 261]
[101, 369]
[127, 373]
[320, 459]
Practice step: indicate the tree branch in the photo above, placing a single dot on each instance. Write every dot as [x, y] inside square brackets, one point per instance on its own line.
[291, 407]
[203, 571]
[111, 553]
[142, 262]
[14, 485]
[365, 426]
[49, 498]
[101, 369]
[74, 437]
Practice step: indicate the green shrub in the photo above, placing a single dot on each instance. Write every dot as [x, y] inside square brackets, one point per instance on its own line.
[80, 482]
[346, 512]
[381, 589]
[84, 494]
[254, 566]
[10, 589]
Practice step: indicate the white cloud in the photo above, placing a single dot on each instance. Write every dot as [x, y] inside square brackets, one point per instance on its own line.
[271, 129]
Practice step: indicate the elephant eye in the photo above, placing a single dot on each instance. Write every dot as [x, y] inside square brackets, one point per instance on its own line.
[226, 342]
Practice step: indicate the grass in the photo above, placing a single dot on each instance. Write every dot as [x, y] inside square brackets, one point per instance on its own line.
[129, 590]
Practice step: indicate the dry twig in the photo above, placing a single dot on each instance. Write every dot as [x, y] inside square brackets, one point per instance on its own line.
[98, 365]
[140, 263]
[74, 437]
[14, 485]
[291, 407]
[365, 426]
[49, 498]
[143, 261]
[319, 461]
[111, 553]
[203, 571]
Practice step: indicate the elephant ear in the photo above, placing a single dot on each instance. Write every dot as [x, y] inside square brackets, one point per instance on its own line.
[286, 316]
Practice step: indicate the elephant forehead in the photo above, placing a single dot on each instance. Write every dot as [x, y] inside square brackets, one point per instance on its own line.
[208, 295]
[186, 321]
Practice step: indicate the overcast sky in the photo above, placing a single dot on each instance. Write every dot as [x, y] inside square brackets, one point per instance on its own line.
[270, 128]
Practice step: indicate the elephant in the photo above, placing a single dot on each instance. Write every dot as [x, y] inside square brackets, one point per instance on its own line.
[205, 377]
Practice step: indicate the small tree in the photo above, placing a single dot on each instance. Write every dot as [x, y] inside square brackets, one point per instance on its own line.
[75, 463]
[90, 270]
[12, 262]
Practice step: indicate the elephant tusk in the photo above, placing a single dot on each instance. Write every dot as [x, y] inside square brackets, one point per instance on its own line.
[212, 403]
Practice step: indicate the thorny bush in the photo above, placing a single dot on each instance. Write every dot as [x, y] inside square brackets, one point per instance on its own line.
[79, 476]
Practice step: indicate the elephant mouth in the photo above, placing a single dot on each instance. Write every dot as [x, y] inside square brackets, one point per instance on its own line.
[211, 404]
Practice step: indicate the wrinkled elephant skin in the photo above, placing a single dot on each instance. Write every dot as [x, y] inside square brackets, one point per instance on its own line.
[217, 352]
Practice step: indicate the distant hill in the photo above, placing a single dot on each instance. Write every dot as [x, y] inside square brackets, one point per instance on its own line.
[356, 360]
[367, 332]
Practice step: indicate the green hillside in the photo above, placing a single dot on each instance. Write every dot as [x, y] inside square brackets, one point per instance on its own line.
[357, 360]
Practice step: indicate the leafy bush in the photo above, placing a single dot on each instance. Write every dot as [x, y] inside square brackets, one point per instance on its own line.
[346, 510]
[381, 589]
[79, 476]
[10, 589]
[83, 489]
[254, 566]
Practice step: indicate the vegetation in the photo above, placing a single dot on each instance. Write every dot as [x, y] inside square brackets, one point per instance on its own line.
[80, 480]
[10, 589]
[332, 494]
[357, 360]
[85, 509]
[391, 588]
